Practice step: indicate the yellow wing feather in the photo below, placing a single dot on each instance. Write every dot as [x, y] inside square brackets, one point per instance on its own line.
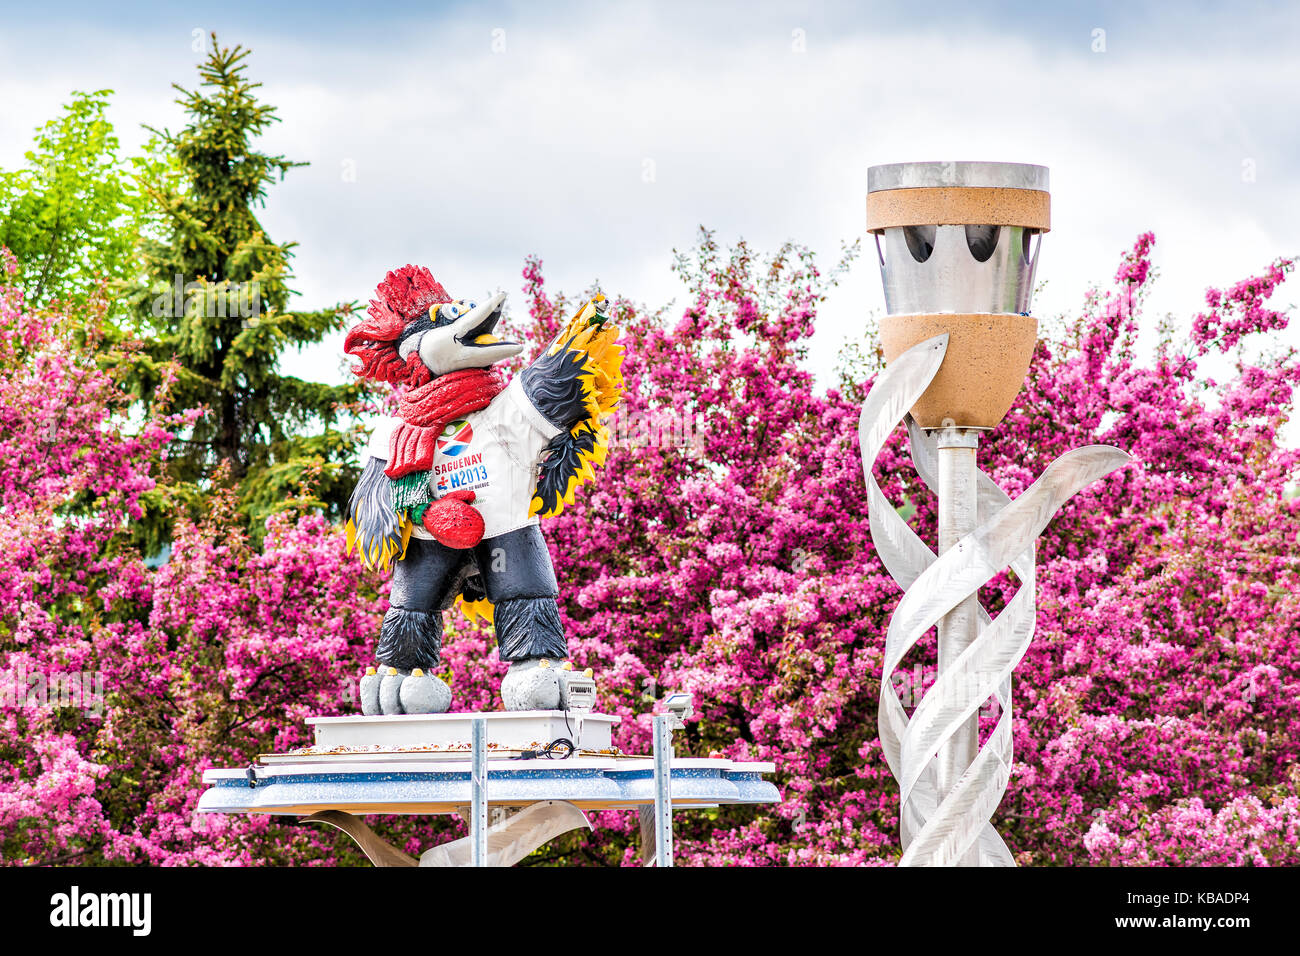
[377, 554]
[591, 333]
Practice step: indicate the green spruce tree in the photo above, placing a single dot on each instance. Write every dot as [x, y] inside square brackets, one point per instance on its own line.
[218, 304]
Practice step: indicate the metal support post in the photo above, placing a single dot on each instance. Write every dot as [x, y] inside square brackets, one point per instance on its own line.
[478, 815]
[958, 498]
[663, 749]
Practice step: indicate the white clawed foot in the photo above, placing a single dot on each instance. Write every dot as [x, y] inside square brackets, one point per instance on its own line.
[390, 687]
[370, 682]
[390, 691]
[536, 684]
[423, 693]
[531, 684]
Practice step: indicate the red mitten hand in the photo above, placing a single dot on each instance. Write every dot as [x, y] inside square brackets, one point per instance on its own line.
[453, 521]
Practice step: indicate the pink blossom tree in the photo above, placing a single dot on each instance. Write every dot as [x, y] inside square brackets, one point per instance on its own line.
[120, 682]
[724, 550]
[1163, 680]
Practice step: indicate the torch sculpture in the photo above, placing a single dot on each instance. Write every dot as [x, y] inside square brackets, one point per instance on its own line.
[960, 248]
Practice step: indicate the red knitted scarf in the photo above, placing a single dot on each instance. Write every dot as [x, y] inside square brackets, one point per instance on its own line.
[425, 412]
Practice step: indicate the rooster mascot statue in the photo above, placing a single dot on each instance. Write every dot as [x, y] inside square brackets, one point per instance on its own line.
[453, 486]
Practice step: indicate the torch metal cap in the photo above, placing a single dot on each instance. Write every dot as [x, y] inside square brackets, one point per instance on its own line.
[958, 248]
[983, 175]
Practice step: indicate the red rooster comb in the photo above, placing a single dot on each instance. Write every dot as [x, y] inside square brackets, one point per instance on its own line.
[410, 290]
[404, 295]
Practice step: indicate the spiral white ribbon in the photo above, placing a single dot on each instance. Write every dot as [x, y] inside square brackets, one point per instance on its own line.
[939, 829]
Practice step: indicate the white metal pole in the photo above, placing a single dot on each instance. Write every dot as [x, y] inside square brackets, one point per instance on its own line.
[958, 496]
[663, 748]
[478, 813]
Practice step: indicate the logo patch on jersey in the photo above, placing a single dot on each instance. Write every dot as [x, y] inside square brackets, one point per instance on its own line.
[455, 438]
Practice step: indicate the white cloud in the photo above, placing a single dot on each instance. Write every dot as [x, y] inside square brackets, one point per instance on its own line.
[467, 160]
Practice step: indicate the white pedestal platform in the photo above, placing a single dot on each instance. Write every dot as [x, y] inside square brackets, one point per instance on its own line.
[506, 731]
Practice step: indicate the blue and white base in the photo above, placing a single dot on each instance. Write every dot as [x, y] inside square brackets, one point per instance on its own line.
[423, 764]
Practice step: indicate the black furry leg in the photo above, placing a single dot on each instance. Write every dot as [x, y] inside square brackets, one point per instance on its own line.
[517, 577]
[425, 583]
[410, 639]
[529, 627]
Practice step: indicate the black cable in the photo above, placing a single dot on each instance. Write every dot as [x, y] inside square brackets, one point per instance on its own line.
[555, 745]
[548, 752]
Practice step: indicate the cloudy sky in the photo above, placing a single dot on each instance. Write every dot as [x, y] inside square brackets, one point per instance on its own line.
[601, 136]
